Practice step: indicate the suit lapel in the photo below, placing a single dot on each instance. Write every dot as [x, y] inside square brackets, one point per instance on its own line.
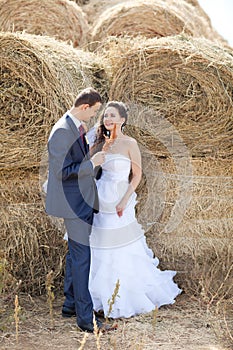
[77, 134]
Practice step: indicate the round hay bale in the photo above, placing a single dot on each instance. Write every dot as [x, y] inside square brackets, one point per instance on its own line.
[152, 18]
[40, 78]
[62, 19]
[179, 202]
[32, 244]
[200, 247]
[210, 209]
[204, 266]
[187, 81]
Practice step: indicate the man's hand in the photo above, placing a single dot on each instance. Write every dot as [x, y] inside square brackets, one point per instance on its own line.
[98, 158]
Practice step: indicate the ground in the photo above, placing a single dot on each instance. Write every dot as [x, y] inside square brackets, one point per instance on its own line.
[186, 325]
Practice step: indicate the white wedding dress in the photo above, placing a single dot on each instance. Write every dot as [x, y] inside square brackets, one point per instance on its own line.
[120, 253]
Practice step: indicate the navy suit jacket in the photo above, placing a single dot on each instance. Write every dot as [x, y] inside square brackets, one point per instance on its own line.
[71, 190]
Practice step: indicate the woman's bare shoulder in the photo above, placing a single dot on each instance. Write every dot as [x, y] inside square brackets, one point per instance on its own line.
[129, 139]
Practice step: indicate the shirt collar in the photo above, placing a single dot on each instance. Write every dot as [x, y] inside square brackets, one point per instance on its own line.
[75, 120]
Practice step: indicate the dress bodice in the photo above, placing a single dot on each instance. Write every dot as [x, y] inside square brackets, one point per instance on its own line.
[116, 167]
[114, 181]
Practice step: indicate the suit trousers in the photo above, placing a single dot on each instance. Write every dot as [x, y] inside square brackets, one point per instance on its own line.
[76, 280]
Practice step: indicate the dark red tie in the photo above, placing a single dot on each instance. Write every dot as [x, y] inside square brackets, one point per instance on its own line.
[82, 132]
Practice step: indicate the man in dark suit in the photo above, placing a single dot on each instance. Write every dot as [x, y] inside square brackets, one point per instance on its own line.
[72, 195]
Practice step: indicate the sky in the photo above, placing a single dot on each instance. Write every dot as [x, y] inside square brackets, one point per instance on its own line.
[220, 13]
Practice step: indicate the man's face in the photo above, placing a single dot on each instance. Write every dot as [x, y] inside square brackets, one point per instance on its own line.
[90, 112]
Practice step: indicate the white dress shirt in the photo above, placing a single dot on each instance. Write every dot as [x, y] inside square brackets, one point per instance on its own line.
[75, 120]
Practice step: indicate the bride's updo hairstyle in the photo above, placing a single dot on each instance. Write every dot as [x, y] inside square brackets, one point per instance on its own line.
[102, 132]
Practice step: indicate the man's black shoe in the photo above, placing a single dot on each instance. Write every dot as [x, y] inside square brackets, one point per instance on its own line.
[89, 327]
[68, 312]
[101, 327]
[99, 314]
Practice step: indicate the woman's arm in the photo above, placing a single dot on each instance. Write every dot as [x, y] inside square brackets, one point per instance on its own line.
[135, 157]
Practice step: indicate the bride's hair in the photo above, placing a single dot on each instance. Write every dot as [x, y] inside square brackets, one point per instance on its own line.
[102, 132]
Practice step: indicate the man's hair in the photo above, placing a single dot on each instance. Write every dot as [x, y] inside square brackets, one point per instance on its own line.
[88, 96]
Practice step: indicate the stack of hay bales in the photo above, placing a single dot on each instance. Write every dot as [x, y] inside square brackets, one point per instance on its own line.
[152, 18]
[62, 19]
[40, 79]
[179, 89]
[182, 88]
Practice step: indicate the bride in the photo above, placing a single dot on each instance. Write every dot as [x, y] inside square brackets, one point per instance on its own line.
[121, 261]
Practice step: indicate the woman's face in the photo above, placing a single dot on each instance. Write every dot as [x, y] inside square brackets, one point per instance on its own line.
[112, 117]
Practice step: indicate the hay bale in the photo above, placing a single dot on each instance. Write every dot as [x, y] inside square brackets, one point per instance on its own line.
[32, 246]
[61, 19]
[95, 8]
[180, 195]
[153, 18]
[40, 79]
[32, 242]
[210, 199]
[187, 81]
[204, 266]
[175, 200]
[197, 242]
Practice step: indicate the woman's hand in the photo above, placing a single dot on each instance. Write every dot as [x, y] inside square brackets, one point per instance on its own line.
[121, 207]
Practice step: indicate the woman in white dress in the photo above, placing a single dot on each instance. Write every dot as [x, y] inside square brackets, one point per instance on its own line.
[120, 255]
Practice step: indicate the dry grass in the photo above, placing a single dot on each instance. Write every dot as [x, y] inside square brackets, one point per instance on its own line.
[32, 95]
[152, 19]
[187, 325]
[61, 19]
[16, 317]
[50, 295]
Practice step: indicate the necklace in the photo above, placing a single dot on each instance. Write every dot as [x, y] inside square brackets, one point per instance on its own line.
[109, 145]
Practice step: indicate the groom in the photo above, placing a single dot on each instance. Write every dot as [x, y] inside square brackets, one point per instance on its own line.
[72, 195]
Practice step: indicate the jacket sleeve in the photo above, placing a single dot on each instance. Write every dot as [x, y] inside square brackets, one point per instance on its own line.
[60, 153]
